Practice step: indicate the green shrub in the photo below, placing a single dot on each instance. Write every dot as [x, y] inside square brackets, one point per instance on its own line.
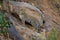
[3, 23]
[54, 35]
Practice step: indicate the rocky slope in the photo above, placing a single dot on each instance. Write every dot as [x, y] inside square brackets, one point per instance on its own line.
[50, 14]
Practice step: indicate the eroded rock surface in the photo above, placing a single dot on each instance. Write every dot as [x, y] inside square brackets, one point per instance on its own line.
[49, 12]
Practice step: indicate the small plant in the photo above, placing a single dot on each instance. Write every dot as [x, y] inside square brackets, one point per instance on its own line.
[54, 35]
[3, 23]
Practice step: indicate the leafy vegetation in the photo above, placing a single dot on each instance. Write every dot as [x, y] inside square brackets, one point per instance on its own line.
[54, 35]
[3, 23]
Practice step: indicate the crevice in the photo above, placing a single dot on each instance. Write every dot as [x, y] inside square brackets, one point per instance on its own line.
[16, 16]
[43, 21]
[27, 23]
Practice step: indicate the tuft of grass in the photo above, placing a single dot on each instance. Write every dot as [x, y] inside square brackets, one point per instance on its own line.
[54, 35]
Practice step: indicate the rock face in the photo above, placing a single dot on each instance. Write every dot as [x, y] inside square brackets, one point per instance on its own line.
[26, 33]
[50, 10]
[47, 16]
[26, 12]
